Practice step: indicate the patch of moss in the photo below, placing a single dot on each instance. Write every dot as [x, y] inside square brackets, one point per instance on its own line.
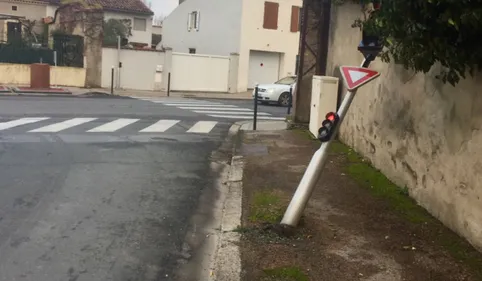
[266, 207]
[398, 198]
[290, 273]
[337, 147]
[380, 186]
[462, 251]
[241, 229]
[305, 134]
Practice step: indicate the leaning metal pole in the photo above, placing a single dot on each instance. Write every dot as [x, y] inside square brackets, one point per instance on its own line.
[303, 193]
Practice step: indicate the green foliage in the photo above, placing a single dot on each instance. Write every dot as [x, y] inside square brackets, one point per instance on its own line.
[114, 28]
[266, 207]
[400, 201]
[21, 53]
[421, 33]
[289, 273]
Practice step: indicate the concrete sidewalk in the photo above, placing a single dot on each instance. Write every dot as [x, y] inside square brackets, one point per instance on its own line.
[358, 226]
[9, 89]
[265, 125]
[159, 94]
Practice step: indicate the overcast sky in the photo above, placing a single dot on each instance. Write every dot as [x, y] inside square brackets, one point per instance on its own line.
[163, 7]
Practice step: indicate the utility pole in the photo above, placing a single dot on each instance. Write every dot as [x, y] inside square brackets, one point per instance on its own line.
[312, 60]
[327, 133]
[301, 61]
[118, 61]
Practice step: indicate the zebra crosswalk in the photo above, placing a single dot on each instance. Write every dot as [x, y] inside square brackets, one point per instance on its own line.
[94, 125]
[213, 109]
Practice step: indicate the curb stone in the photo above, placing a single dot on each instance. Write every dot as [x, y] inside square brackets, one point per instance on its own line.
[227, 257]
[225, 264]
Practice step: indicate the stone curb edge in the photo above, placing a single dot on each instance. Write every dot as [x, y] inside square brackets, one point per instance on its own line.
[227, 259]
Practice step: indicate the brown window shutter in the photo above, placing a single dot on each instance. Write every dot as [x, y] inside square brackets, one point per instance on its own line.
[295, 19]
[270, 15]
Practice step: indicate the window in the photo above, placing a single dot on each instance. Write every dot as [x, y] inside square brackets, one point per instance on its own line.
[140, 24]
[193, 21]
[14, 8]
[295, 19]
[14, 32]
[270, 15]
[289, 80]
[192, 50]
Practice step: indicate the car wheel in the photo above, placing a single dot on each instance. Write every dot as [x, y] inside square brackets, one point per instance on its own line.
[284, 99]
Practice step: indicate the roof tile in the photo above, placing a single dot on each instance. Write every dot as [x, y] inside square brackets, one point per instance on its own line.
[127, 6]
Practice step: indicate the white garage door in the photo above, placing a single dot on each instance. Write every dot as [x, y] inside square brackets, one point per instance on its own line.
[263, 68]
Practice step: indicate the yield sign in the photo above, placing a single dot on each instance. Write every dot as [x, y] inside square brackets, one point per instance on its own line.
[356, 77]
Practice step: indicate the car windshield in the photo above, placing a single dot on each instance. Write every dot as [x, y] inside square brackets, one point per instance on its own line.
[287, 80]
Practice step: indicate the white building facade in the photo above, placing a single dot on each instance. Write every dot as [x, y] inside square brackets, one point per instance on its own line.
[265, 35]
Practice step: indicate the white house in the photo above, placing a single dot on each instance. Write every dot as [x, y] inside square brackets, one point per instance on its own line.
[265, 34]
[134, 10]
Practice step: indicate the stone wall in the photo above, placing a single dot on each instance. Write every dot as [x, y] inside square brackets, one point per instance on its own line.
[420, 133]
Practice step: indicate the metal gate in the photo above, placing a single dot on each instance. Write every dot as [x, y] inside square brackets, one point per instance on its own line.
[70, 50]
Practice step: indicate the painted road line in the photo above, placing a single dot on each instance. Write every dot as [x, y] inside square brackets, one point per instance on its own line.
[57, 127]
[248, 117]
[214, 108]
[161, 100]
[19, 122]
[113, 126]
[199, 104]
[202, 127]
[160, 126]
[229, 112]
[190, 101]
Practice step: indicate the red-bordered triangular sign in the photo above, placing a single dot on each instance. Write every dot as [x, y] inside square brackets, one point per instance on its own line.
[355, 76]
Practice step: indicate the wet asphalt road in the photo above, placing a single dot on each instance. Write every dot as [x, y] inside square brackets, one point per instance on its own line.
[79, 206]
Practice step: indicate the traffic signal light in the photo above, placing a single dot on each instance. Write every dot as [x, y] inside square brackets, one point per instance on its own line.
[328, 126]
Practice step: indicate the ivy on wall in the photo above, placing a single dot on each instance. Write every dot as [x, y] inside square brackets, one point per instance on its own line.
[114, 28]
[421, 33]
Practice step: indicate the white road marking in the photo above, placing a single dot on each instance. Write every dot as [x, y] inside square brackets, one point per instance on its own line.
[199, 104]
[158, 98]
[19, 122]
[57, 127]
[202, 127]
[247, 117]
[113, 126]
[160, 126]
[229, 112]
[185, 101]
[214, 108]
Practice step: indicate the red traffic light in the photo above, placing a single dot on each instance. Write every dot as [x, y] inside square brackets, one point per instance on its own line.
[328, 127]
[331, 116]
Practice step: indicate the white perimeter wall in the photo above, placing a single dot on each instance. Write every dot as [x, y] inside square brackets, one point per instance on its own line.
[138, 70]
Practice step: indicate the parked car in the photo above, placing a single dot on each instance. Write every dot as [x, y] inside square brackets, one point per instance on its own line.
[278, 92]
